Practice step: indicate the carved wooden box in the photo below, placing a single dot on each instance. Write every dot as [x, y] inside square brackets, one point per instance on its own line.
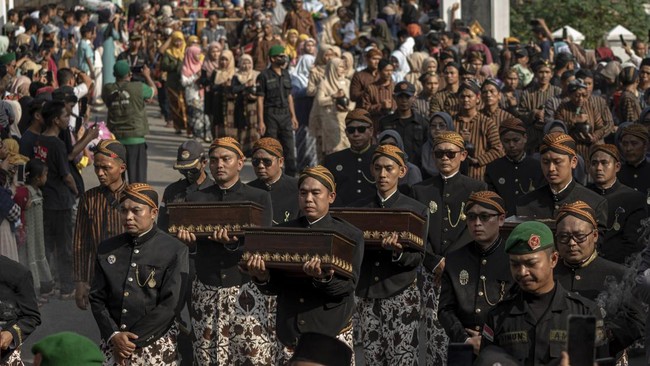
[203, 218]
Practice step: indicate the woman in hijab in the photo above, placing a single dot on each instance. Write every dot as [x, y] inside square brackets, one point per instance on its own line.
[20, 86]
[325, 54]
[415, 62]
[308, 46]
[330, 110]
[172, 62]
[245, 104]
[302, 104]
[291, 45]
[381, 34]
[223, 123]
[190, 75]
[348, 60]
[210, 66]
[398, 59]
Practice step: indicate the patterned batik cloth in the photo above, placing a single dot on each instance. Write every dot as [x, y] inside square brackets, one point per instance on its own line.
[13, 359]
[162, 352]
[388, 328]
[233, 325]
[436, 339]
[346, 336]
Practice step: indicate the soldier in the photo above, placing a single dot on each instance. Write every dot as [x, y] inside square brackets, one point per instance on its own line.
[445, 195]
[635, 172]
[268, 162]
[321, 302]
[516, 173]
[584, 272]
[19, 314]
[476, 276]
[190, 162]
[351, 167]
[137, 289]
[626, 207]
[230, 317]
[388, 299]
[531, 325]
[558, 159]
[98, 215]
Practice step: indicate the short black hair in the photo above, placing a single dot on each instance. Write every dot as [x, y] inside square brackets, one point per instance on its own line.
[64, 76]
[29, 23]
[34, 169]
[584, 74]
[52, 110]
[78, 14]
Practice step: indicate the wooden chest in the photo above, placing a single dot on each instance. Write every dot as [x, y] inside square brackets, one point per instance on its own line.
[288, 249]
[377, 223]
[203, 218]
[512, 221]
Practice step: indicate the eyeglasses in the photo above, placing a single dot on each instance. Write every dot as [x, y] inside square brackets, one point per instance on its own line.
[485, 217]
[360, 129]
[578, 238]
[439, 154]
[265, 161]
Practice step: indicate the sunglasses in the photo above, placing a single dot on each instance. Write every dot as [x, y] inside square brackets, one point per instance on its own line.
[265, 161]
[193, 171]
[439, 154]
[360, 129]
[484, 217]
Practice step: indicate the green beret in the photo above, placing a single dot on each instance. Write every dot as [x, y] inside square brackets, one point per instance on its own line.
[276, 50]
[529, 237]
[68, 349]
[121, 69]
[7, 58]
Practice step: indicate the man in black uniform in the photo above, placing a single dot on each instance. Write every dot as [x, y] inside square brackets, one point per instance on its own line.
[626, 206]
[635, 173]
[351, 167]
[190, 162]
[558, 159]
[476, 276]
[137, 288]
[19, 314]
[531, 325]
[444, 195]
[268, 162]
[516, 173]
[584, 272]
[276, 116]
[410, 124]
[388, 299]
[230, 317]
[321, 302]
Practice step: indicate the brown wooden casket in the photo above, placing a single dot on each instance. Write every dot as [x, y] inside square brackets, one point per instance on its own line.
[203, 218]
[513, 221]
[288, 249]
[377, 223]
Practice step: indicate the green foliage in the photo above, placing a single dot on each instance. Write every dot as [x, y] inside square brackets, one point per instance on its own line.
[593, 18]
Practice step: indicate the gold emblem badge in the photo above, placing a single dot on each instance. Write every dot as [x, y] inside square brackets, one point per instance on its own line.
[151, 283]
[185, 154]
[433, 207]
[463, 277]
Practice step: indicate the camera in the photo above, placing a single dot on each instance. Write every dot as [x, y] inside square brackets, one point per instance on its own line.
[137, 69]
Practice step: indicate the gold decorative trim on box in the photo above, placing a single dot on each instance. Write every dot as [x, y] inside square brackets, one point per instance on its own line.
[207, 229]
[300, 258]
[404, 235]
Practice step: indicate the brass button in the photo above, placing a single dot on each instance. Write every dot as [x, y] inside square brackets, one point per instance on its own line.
[578, 277]
[359, 181]
[126, 293]
[133, 265]
[478, 311]
[123, 326]
[480, 293]
[301, 322]
[130, 279]
[516, 192]
[377, 264]
[376, 278]
[446, 194]
[301, 300]
[358, 170]
[482, 277]
[484, 261]
[136, 251]
[516, 180]
[445, 229]
[124, 311]
[636, 176]
[358, 191]
[223, 276]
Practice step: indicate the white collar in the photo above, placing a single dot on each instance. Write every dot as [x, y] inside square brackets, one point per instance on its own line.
[382, 200]
[563, 188]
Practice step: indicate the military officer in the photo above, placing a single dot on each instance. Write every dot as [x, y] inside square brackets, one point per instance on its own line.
[138, 285]
[516, 173]
[626, 207]
[476, 276]
[558, 159]
[531, 325]
[388, 299]
[19, 314]
[268, 162]
[229, 315]
[582, 270]
[323, 301]
[190, 162]
[444, 195]
[351, 167]
[635, 172]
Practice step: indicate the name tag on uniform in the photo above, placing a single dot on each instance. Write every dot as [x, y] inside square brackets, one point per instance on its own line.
[558, 335]
[513, 337]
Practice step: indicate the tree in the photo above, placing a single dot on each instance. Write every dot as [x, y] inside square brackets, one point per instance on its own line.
[594, 18]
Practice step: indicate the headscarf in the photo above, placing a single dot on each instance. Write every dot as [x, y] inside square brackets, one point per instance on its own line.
[559, 143]
[607, 149]
[349, 64]
[321, 174]
[331, 83]
[246, 76]
[403, 68]
[320, 56]
[382, 35]
[358, 115]
[512, 124]
[13, 155]
[166, 11]
[450, 137]
[270, 145]
[21, 85]
[291, 50]
[177, 52]
[226, 74]
[227, 143]
[637, 130]
[301, 49]
[392, 152]
[428, 163]
[4, 44]
[487, 199]
[111, 148]
[578, 209]
[425, 65]
[140, 193]
[209, 65]
[300, 73]
[193, 61]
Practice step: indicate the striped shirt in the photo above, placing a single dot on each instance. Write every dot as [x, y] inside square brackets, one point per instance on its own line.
[599, 104]
[484, 134]
[629, 108]
[422, 106]
[531, 101]
[566, 113]
[444, 101]
[372, 100]
[497, 116]
[98, 218]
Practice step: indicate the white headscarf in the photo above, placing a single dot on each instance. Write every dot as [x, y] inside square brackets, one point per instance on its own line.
[300, 74]
[403, 68]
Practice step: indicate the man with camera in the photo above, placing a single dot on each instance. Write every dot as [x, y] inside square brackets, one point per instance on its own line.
[127, 118]
[136, 56]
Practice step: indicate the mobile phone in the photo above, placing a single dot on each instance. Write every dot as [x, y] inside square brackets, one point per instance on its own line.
[565, 34]
[581, 340]
[461, 354]
[20, 173]
[620, 36]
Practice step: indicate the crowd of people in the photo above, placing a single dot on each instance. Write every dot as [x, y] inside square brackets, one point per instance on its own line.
[528, 161]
